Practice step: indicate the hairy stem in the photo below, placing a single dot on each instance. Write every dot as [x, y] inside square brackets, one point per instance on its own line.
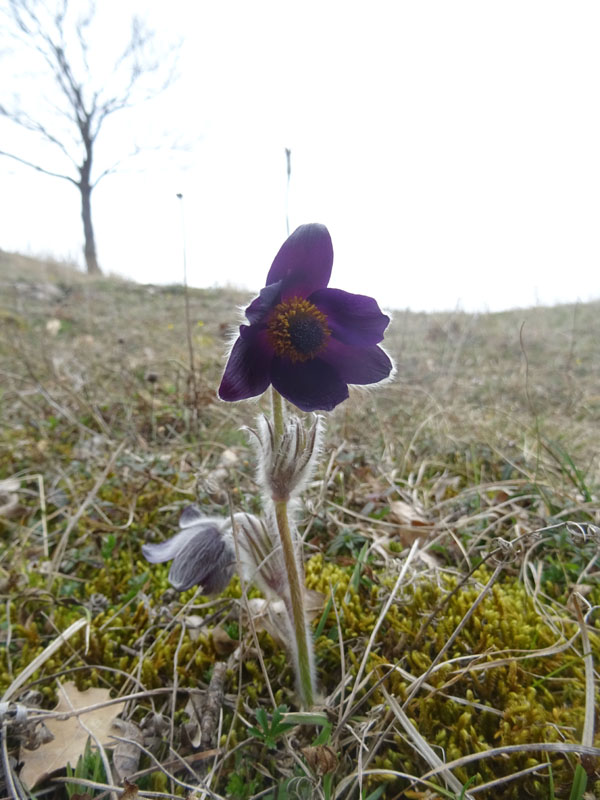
[301, 631]
[303, 650]
[277, 404]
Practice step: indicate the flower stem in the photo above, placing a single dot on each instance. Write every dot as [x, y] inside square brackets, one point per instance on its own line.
[295, 606]
[301, 631]
[277, 405]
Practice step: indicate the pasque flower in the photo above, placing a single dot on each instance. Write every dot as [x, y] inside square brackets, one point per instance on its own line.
[306, 340]
[207, 550]
[204, 552]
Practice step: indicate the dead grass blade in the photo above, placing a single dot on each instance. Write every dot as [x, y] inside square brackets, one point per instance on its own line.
[382, 615]
[422, 747]
[37, 662]
[62, 543]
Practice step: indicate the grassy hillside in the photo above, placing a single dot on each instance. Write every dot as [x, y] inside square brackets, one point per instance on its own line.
[484, 448]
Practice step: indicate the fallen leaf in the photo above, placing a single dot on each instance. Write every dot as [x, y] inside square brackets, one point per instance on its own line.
[320, 758]
[271, 616]
[131, 791]
[126, 757]
[410, 521]
[222, 641]
[193, 708]
[70, 736]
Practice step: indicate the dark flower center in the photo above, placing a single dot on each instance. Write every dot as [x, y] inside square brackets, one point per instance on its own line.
[297, 329]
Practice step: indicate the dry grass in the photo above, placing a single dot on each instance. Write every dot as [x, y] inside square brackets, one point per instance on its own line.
[443, 500]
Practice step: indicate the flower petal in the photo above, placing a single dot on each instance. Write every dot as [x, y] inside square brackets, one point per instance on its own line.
[204, 559]
[357, 365]
[304, 262]
[193, 515]
[260, 307]
[166, 551]
[352, 318]
[247, 371]
[311, 385]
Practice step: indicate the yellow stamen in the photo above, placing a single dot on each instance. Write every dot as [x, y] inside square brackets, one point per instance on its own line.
[298, 330]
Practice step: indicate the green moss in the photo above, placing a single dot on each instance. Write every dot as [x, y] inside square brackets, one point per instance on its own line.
[537, 698]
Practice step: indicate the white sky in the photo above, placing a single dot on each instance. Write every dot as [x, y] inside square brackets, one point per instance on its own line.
[451, 147]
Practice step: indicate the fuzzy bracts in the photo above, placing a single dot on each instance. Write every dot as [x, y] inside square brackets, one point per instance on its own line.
[285, 464]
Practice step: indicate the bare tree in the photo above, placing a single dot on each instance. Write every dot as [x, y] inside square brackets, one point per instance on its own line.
[87, 87]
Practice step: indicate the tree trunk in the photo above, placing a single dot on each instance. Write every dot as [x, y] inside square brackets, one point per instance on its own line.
[85, 187]
[89, 248]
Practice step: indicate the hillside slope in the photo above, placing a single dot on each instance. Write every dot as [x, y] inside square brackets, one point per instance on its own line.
[484, 448]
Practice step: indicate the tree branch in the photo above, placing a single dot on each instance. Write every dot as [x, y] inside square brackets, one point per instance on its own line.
[25, 121]
[38, 168]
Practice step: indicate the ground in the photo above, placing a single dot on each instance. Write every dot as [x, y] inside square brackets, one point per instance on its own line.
[450, 540]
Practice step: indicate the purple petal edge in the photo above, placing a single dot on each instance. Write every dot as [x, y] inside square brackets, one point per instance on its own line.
[304, 261]
[358, 365]
[354, 319]
[205, 559]
[247, 371]
[167, 550]
[311, 386]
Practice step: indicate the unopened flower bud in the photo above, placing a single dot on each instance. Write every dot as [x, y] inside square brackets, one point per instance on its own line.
[286, 463]
[260, 555]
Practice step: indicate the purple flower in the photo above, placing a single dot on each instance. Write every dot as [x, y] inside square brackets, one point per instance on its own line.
[202, 553]
[305, 339]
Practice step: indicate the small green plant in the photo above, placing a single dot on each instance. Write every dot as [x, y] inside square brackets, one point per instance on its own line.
[89, 767]
[346, 541]
[108, 545]
[233, 630]
[240, 786]
[270, 730]
[579, 783]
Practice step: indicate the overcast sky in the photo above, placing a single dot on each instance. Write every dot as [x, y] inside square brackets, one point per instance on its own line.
[452, 148]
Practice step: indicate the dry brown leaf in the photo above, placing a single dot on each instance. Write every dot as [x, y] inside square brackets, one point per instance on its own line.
[411, 523]
[126, 757]
[131, 791]
[271, 616]
[193, 708]
[314, 603]
[320, 758]
[222, 641]
[70, 736]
